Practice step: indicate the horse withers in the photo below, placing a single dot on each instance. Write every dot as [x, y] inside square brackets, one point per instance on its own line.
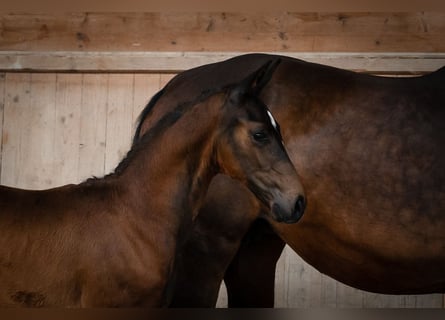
[113, 241]
[370, 153]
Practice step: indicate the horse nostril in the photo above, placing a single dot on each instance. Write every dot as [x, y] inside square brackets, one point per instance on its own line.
[300, 205]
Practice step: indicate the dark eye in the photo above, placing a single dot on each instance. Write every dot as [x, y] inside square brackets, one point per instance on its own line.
[260, 136]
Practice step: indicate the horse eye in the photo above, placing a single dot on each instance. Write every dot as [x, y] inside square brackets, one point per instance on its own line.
[260, 136]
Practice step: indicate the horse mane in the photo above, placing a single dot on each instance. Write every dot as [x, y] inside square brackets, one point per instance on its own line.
[145, 112]
[139, 142]
[170, 118]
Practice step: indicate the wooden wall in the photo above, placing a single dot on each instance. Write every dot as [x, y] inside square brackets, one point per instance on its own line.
[72, 86]
[166, 42]
[62, 128]
[213, 32]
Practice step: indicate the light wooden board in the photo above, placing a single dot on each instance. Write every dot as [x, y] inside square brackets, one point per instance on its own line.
[28, 131]
[2, 105]
[93, 115]
[119, 118]
[171, 62]
[17, 91]
[67, 127]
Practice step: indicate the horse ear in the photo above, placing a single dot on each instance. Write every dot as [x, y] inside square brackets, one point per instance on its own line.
[261, 77]
[256, 81]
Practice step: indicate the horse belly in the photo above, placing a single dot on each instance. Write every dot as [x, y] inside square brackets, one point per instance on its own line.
[383, 257]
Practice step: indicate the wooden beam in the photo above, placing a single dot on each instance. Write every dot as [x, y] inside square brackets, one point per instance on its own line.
[216, 6]
[171, 42]
[215, 32]
[160, 62]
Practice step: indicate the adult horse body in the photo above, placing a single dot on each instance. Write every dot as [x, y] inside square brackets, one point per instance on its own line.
[370, 154]
[113, 241]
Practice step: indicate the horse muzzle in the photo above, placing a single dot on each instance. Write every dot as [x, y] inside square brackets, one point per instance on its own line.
[289, 214]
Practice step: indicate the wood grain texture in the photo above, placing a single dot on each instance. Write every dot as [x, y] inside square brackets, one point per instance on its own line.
[67, 127]
[119, 119]
[92, 127]
[173, 62]
[28, 130]
[173, 31]
[2, 106]
[410, 42]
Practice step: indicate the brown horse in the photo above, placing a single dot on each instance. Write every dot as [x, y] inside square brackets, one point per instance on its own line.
[113, 241]
[370, 151]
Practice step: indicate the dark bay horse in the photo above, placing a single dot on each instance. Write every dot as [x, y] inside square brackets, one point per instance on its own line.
[112, 241]
[370, 152]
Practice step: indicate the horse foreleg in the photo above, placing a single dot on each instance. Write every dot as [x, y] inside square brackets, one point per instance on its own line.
[250, 278]
[196, 284]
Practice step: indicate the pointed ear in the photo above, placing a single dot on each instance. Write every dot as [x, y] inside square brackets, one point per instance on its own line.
[256, 81]
[261, 77]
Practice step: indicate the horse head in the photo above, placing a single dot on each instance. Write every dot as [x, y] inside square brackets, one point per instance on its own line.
[252, 149]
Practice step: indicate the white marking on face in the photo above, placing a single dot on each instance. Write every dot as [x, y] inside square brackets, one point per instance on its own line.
[274, 124]
[272, 120]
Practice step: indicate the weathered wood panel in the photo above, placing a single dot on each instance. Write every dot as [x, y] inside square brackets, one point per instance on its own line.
[285, 32]
[93, 115]
[411, 42]
[220, 6]
[64, 128]
[67, 127]
[162, 62]
[2, 106]
[78, 125]
[119, 118]
[29, 105]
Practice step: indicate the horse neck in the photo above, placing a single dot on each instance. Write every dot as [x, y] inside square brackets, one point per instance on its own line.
[173, 164]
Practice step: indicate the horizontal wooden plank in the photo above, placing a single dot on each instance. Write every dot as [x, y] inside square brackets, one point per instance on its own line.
[159, 62]
[217, 5]
[244, 32]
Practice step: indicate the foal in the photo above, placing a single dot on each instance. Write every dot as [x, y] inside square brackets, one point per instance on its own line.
[113, 241]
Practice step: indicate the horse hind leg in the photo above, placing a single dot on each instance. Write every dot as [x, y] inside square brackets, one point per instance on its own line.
[250, 278]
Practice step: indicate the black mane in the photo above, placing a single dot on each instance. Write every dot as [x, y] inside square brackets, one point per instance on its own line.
[145, 113]
[140, 142]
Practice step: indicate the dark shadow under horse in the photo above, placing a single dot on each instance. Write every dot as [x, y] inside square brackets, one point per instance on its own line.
[370, 151]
